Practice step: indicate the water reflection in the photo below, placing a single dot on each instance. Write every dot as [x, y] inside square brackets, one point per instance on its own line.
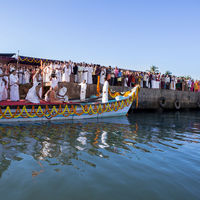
[62, 143]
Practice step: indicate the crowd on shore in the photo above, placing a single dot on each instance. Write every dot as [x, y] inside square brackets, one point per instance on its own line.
[89, 73]
[77, 72]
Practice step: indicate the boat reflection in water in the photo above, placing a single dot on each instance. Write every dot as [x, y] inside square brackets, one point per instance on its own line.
[61, 143]
[136, 156]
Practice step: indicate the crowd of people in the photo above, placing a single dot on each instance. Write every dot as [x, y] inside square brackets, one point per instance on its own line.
[55, 73]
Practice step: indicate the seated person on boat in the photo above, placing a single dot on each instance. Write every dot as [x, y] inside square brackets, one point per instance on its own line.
[62, 92]
[51, 96]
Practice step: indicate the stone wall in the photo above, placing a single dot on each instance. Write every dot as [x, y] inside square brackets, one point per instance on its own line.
[151, 98]
[73, 90]
[148, 98]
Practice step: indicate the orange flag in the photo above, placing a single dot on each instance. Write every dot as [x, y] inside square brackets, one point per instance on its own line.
[98, 86]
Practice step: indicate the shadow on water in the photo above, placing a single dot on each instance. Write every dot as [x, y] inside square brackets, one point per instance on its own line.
[61, 143]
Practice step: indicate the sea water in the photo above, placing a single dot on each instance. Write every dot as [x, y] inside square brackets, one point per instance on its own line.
[142, 156]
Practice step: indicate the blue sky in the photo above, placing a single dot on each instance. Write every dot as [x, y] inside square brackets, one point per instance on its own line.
[133, 34]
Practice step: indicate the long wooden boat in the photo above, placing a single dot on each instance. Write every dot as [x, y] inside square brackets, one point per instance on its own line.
[23, 111]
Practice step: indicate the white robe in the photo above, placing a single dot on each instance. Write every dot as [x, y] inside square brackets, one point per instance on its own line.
[26, 77]
[32, 95]
[89, 78]
[14, 88]
[85, 74]
[80, 71]
[125, 82]
[66, 74]
[102, 76]
[105, 92]
[21, 76]
[61, 94]
[59, 75]
[45, 75]
[48, 73]
[54, 82]
[83, 91]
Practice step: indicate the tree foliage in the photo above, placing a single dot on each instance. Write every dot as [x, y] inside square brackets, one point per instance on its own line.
[154, 69]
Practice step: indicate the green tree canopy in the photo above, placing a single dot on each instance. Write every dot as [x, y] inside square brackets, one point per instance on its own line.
[168, 73]
[154, 69]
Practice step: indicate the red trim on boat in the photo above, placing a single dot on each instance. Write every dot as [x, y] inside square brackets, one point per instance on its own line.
[24, 102]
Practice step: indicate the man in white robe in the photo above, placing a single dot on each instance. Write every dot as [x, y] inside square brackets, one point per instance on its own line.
[27, 76]
[54, 81]
[58, 74]
[83, 90]
[67, 73]
[105, 91]
[102, 75]
[21, 74]
[14, 86]
[49, 72]
[90, 71]
[62, 93]
[85, 73]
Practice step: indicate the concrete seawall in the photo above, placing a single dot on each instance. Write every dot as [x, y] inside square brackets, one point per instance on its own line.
[149, 99]
[154, 99]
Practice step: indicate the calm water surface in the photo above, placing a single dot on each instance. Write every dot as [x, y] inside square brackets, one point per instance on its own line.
[143, 156]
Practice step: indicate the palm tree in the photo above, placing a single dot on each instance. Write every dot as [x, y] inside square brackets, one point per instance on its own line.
[168, 73]
[154, 69]
[187, 77]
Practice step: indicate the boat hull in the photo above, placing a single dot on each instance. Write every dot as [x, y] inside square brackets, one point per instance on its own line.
[70, 111]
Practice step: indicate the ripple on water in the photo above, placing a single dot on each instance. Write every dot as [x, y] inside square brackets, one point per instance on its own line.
[146, 156]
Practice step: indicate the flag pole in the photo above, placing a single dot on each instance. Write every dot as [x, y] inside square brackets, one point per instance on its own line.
[18, 63]
[41, 66]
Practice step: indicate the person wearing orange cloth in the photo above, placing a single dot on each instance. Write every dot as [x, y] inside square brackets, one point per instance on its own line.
[196, 86]
[51, 96]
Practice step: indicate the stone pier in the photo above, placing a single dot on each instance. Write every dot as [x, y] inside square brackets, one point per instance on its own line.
[155, 99]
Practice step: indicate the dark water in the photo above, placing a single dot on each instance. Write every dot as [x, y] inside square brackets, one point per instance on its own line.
[144, 156]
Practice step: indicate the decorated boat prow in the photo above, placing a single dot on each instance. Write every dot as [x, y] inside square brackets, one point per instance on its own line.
[23, 111]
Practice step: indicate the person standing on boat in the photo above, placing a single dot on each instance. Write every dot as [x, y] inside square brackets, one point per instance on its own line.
[102, 75]
[34, 93]
[54, 80]
[58, 72]
[105, 91]
[83, 90]
[14, 86]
